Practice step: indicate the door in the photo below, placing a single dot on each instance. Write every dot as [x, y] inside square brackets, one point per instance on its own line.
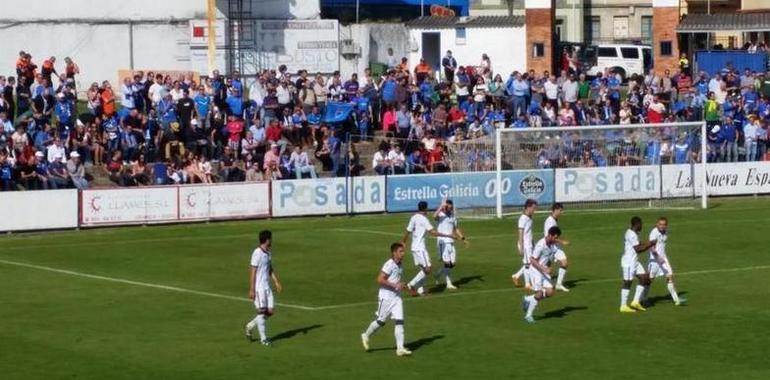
[431, 49]
[620, 27]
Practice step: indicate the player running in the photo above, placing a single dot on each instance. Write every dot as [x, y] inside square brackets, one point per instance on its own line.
[447, 224]
[553, 221]
[389, 300]
[524, 243]
[631, 267]
[259, 286]
[540, 271]
[418, 226]
[658, 264]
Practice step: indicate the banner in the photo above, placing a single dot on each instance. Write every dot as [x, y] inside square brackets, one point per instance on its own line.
[725, 178]
[327, 196]
[129, 206]
[607, 183]
[38, 210]
[468, 190]
[226, 201]
[337, 112]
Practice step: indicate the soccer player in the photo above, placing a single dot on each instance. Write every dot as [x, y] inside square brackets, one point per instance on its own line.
[540, 271]
[447, 224]
[259, 286]
[524, 243]
[631, 267]
[418, 226]
[553, 221]
[389, 300]
[658, 264]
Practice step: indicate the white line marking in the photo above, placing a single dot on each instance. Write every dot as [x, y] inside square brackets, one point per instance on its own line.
[368, 232]
[144, 284]
[339, 306]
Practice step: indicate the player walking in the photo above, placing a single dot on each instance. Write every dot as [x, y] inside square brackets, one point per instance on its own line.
[259, 286]
[658, 264]
[389, 300]
[631, 267]
[540, 271]
[553, 221]
[524, 243]
[447, 224]
[418, 226]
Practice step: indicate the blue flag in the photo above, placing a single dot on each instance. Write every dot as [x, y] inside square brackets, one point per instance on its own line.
[337, 112]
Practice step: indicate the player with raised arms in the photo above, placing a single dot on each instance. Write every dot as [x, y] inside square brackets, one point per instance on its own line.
[658, 264]
[524, 242]
[540, 271]
[389, 303]
[418, 226]
[630, 267]
[259, 286]
[447, 224]
[553, 221]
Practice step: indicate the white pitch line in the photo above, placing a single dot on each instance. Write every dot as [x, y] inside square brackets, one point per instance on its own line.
[338, 306]
[143, 284]
[367, 232]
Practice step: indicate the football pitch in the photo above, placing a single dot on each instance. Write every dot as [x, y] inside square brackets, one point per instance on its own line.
[170, 302]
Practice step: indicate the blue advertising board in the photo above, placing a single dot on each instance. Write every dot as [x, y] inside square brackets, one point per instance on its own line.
[468, 190]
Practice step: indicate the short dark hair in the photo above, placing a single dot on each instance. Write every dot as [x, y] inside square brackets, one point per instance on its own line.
[529, 203]
[449, 202]
[663, 218]
[395, 246]
[636, 220]
[557, 206]
[422, 206]
[264, 236]
[554, 231]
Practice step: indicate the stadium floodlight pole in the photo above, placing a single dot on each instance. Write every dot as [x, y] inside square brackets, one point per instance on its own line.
[704, 164]
[499, 173]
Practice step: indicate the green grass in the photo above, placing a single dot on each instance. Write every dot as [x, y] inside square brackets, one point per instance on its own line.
[56, 325]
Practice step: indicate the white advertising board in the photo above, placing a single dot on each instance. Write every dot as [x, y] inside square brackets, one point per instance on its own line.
[129, 206]
[726, 178]
[325, 196]
[312, 45]
[230, 201]
[607, 183]
[38, 210]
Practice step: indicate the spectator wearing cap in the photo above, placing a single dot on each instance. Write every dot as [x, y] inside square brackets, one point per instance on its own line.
[77, 172]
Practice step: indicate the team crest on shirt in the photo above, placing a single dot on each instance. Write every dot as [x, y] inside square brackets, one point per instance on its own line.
[532, 186]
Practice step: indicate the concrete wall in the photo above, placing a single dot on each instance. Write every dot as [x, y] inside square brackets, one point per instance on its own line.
[374, 40]
[506, 47]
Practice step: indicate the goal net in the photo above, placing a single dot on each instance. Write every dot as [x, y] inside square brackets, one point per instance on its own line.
[600, 167]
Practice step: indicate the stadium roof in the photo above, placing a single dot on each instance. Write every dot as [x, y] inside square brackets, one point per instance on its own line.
[738, 22]
[435, 22]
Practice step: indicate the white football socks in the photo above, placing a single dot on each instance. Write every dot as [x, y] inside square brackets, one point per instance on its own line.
[672, 290]
[417, 280]
[446, 276]
[531, 304]
[638, 293]
[373, 327]
[560, 278]
[399, 332]
[624, 296]
[261, 327]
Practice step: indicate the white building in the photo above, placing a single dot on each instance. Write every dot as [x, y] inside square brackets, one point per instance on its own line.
[502, 38]
[104, 36]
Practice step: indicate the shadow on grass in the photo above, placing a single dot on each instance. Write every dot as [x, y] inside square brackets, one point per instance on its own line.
[563, 312]
[574, 283]
[415, 345]
[651, 301]
[292, 333]
[437, 289]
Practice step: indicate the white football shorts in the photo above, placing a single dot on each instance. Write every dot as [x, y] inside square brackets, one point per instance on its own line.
[447, 252]
[630, 271]
[264, 299]
[538, 281]
[421, 258]
[391, 307]
[657, 269]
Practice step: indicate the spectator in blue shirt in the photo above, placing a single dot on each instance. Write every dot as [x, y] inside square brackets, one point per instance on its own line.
[235, 104]
[728, 151]
[203, 108]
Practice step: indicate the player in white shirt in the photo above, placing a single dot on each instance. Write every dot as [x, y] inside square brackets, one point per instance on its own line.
[524, 243]
[540, 271]
[658, 264]
[560, 257]
[447, 224]
[389, 303]
[418, 227]
[259, 286]
[630, 267]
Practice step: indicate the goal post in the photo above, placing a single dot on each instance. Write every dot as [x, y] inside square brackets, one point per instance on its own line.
[609, 166]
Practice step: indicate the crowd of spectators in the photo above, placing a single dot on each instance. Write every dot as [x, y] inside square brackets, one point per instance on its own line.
[156, 129]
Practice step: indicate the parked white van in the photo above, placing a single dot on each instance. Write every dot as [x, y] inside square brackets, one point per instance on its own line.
[625, 59]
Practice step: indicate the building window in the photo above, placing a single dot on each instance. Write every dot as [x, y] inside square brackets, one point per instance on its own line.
[460, 36]
[592, 29]
[647, 29]
[666, 48]
[538, 50]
